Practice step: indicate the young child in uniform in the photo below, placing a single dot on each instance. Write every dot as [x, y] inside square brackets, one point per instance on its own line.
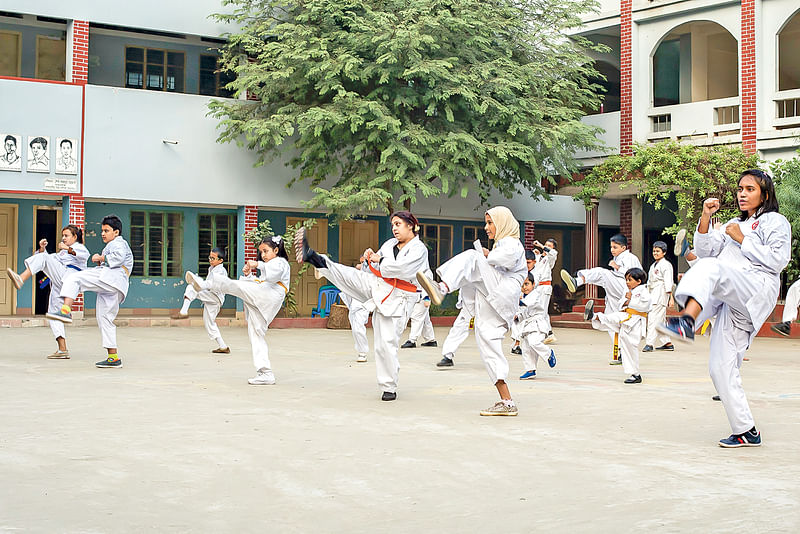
[737, 279]
[421, 324]
[545, 265]
[212, 300]
[262, 297]
[790, 305]
[533, 329]
[659, 282]
[531, 262]
[71, 256]
[458, 333]
[109, 281]
[492, 280]
[630, 324]
[358, 316]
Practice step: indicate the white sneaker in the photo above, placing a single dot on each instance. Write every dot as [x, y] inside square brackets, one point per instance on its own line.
[501, 409]
[193, 280]
[15, 278]
[361, 358]
[263, 378]
[550, 339]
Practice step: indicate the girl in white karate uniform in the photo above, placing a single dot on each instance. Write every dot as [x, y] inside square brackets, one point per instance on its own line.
[545, 264]
[493, 280]
[532, 329]
[630, 324]
[421, 325]
[458, 333]
[388, 288]
[212, 300]
[71, 256]
[737, 279]
[262, 297]
[659, 282]
[358, 315]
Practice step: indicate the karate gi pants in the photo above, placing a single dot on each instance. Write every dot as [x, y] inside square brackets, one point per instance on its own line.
[108, 301]
[792, 302]
[211, 307]
[56, 272]
[359, 316]
[629, 338]
[421, 324]
[656, 316]
[457, 334]
[534, 349]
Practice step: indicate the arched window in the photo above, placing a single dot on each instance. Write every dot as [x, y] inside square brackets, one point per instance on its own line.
[611, 85]
[789, 55]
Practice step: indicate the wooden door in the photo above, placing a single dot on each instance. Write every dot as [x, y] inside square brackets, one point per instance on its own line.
[354, 238]
[8, 257]
[308, 289]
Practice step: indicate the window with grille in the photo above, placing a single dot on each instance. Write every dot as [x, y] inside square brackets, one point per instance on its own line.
[154, 69]
[217, 231]
[471, 233]
[212, 79]
[439, 240]
[156, 243]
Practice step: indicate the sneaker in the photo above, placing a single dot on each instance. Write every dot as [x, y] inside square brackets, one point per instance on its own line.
[226, 350]
[784, 329]
[615, 362]
[648, 348]
[444, 362]
[181, 315]
[634, 379]
[109, 362]
[500, 408]
[681, 243]
[569, 281]
[588, 310]
[59, 355]
[263, 378]
[361, 358]
[430, 287]
[716, 398]
[15, 278]
[516, 350]
[551, 360]
[430, 344]
[528, 375]
[751, 438]
[388, 396]
[193, 280]
[666, 346]
[60, 316]
[408, 345]
[550, 339]
[680, 328]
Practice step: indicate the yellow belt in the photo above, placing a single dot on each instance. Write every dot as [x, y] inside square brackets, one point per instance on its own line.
[126, 271]
[631, 312]
[279, 283]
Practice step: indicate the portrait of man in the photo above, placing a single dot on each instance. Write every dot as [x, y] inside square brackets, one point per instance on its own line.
[65, 156]
[10, 160]
[38, 160]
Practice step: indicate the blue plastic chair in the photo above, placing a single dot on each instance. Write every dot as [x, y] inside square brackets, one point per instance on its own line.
[330, 294]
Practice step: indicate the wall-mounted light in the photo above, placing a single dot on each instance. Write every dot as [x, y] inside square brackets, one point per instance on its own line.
[169, 142]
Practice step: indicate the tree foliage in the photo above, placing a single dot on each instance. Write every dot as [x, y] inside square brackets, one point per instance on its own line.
[378, 102]
[691, 173]
[787, 189]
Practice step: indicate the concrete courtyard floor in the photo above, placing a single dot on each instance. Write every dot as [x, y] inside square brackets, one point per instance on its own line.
[177, 441]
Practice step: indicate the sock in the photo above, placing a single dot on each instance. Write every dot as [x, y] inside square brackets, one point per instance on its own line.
[689, 320]
[113, 357]
[66, 309]
[316, 260]
[185, 307]
[509, 402]
[221, 343]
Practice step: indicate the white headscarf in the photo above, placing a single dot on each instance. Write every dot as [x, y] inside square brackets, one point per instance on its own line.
[504, 223]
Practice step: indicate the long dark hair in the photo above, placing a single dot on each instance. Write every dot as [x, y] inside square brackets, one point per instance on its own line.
[769, 202]
[408, 217]
[274, 242]
[77, 232]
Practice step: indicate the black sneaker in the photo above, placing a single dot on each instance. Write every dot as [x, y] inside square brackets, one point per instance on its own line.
[680, 328]
[516, 350]
[408, 345]
[588, 310]
[108, 362]
[784, 329]
[751, 438]
[304, 253]
[648, 348]
[666, 346]
[634, 379]
[716, 398]
[445, 362]
[388, 396]
[429, 344]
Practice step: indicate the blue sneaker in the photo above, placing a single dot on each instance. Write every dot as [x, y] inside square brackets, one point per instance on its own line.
[681, 243]
[59, 316]
[751, 438]
[113, 363]
[528, 375]
[680, 328]
[551, 361]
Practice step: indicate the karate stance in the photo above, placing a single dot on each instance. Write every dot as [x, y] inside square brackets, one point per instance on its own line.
[737, 280]
[531, 324]
[492, 280]
[262, 297]
[387, 288]
[358, 315]
[630, 324]
[71, 256]
[458, 333]
[109, 281]
[659, 282]
[790, 305]
[212, 300]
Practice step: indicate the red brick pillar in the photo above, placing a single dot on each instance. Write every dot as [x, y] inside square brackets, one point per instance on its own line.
[77, 216]
[626, 105]
[530, 234]
[78, 51]
[250, 222]
[592, 237]
[748, 76]
[626, 218]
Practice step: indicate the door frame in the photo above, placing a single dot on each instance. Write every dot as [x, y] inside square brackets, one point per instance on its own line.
[59, 213]
[14, 249]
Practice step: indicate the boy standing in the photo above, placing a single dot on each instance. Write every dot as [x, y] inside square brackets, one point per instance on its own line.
[659, 281]
[531, 326]
[109, 280]
[212, 300]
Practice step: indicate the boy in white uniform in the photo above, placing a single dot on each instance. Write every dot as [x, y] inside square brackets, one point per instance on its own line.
[531, 262]
[532, 329]
[457, 334]
[212, 300]
[630, 324]
[544, 286]
[659, 282]
[358, 315]
[790, 305]
[421, 324]
[109, 280]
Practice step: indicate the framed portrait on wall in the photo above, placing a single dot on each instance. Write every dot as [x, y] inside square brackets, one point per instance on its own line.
[38, 158]
[66, 155]
[11, 153]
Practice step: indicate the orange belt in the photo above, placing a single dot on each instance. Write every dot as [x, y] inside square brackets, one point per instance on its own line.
[394, 282]
[547, 283]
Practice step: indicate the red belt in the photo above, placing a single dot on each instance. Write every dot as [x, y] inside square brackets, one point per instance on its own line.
[394, 282]
[547, 283]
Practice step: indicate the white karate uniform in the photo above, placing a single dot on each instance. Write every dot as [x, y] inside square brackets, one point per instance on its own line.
[56, 266]
[659, 283]
[630, 327]
[612, 280]
[791, 303]
[358, 316]
[533, 328]
[109, 281]
[458, 332]
[392, 306]
[421, 324]
[491, 287]
[212, 302]
[544, 273]
[740, 284]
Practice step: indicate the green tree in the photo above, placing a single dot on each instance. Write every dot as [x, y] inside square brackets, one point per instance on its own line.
[692, 174]
[787, 189]
[378, 102]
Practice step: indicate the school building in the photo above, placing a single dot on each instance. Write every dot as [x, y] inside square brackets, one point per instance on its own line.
[123, 88]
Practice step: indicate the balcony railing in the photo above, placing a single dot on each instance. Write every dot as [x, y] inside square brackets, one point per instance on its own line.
[709, 121]
[787, 109]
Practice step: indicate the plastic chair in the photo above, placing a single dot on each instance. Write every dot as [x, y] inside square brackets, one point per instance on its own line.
[330, 294]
